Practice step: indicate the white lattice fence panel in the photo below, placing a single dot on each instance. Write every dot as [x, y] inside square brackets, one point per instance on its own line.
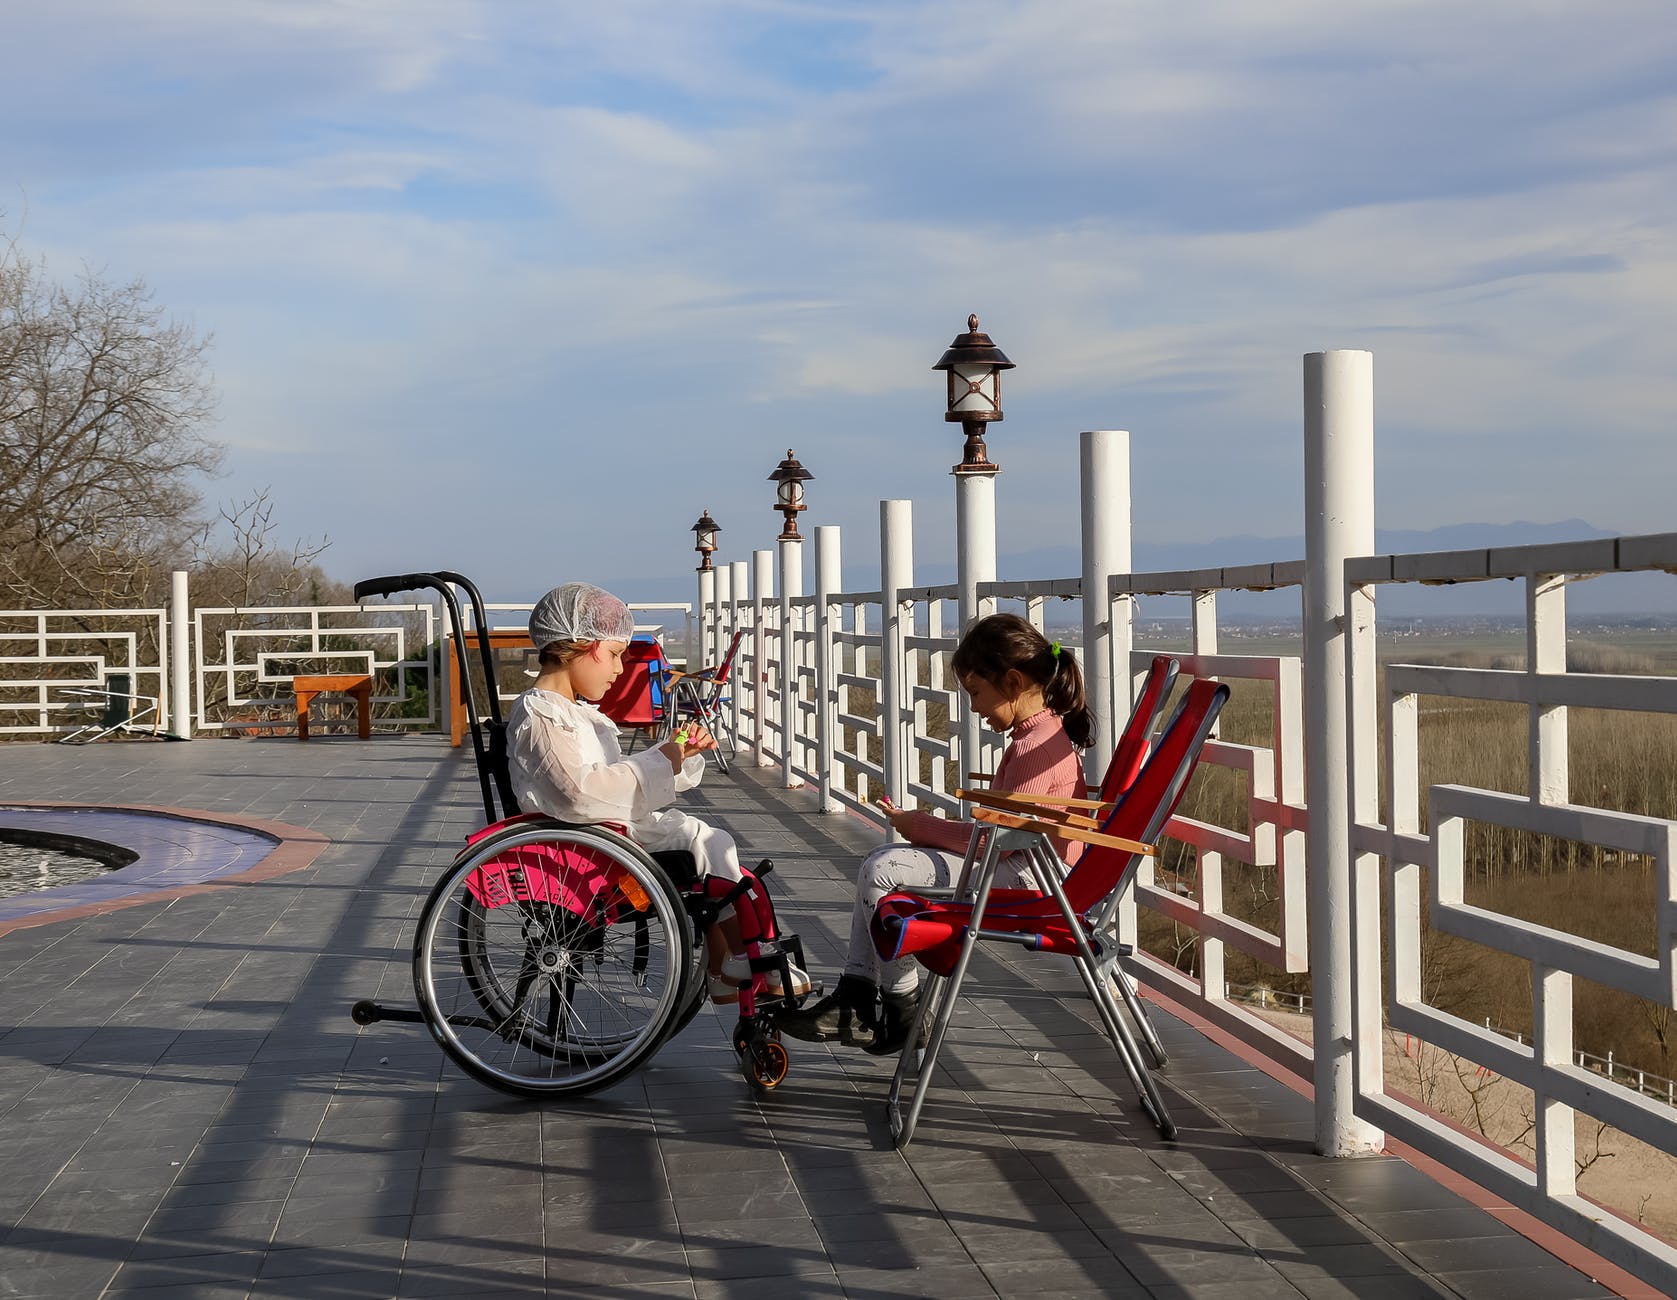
[246, 658]
[45, 653]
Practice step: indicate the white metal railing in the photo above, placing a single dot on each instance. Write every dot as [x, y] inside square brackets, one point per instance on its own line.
[235, 665]
[880, 688]
[1419, 850]
[244, 659]
[45, 654]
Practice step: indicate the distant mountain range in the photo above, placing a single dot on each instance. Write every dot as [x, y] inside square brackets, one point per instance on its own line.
[1642, 593]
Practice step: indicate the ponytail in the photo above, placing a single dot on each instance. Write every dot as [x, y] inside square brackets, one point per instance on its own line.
[994, 646]
[1063, 693]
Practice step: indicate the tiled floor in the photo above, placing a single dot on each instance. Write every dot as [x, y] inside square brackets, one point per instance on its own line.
[187, 1110]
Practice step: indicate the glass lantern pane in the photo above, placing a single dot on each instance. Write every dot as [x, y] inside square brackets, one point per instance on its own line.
[973, 388]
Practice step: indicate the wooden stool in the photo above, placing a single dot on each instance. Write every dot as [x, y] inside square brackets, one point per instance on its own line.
[358, 685]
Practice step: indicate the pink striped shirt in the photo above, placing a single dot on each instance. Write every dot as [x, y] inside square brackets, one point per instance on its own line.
[1039, 759]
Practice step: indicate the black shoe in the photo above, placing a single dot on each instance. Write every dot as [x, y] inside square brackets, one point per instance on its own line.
[848, 1014]
[895, 1022]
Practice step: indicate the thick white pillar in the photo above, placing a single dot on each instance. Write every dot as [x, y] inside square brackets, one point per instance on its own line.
[180, 656]
[741, 586]
[975, 562]
[1108, 625]
[828, 583]
[762, 594]
[791, 588]
[1339, 523]
[706, 653]
[896, 571]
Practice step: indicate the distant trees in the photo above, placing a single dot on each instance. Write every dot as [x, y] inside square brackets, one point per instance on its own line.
[238, 561]
[104, 406]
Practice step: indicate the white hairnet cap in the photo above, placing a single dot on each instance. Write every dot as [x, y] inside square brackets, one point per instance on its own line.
[579, 611]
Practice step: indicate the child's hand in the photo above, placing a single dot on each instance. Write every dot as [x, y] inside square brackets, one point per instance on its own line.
[694, 739]
[898, 818]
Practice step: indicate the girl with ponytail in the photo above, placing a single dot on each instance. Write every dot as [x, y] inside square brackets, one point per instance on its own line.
[1031, 689]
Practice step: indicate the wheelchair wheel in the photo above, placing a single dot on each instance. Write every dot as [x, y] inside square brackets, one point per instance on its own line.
[552, 960]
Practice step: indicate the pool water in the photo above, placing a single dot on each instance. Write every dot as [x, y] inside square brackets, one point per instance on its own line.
[25, 868]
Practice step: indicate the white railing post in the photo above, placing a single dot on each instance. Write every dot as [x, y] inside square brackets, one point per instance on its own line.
[975, 562]
[1339, 523]
[180, 656]
[896, 571]
[741, 585]
[1108, 626]
[762, 592]
[828, 583]
[722, 614]
[1546, 746]
[791, 587]
[703, 656]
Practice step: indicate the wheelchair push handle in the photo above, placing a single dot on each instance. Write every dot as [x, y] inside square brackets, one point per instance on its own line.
[394, 585]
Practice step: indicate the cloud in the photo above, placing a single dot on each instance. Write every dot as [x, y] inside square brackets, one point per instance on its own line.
[501, 243]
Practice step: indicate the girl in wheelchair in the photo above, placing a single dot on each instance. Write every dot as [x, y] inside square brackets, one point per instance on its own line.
[565, 761]
[1020, 684]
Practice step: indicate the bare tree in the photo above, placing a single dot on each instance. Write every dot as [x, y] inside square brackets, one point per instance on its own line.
[103, 404]
[238, 562]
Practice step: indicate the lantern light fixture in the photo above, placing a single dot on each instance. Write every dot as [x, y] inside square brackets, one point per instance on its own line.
[705, 540]
[789, 478]
[974, 365]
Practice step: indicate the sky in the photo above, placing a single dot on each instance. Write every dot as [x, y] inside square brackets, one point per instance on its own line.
[517, 289]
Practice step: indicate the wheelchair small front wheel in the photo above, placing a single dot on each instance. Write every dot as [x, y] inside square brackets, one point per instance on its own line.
[552, 961]
[765, 1065]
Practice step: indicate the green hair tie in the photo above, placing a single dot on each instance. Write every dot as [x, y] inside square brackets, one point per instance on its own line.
[1056, 649]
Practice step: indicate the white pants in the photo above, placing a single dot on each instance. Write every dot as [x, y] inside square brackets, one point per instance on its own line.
[909, 866]
[715, 852]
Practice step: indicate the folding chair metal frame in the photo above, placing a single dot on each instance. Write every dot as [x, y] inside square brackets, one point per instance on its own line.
[104, 726]
[704, 693]
[1024, 919]
[1125, 765]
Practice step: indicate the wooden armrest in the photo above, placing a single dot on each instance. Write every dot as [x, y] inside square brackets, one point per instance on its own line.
[981, 776]
[703, 675]
[1061, 801]
[1011, 803]
[1027, 806]
[1060, 830]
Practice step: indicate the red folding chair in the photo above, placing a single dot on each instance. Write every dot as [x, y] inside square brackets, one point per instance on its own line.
[1121, 772]
[1062, 917]
[638, 699]
[703, 695]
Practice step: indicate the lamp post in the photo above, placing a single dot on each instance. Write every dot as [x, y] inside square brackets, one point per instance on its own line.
[789, 478]
[704, 542]
[974, 365]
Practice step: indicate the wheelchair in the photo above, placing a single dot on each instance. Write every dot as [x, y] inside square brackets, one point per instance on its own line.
[551, 959]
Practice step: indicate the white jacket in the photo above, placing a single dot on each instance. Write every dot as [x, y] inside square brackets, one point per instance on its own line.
[565, 761]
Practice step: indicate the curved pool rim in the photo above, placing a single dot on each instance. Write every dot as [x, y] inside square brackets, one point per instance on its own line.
[177, 852]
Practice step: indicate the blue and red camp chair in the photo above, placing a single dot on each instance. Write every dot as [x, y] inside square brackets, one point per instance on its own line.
[1061, 917]
[638, 701]
[702, 697]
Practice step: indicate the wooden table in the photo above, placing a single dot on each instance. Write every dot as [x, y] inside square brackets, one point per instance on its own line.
[505, 639]
[359, 685]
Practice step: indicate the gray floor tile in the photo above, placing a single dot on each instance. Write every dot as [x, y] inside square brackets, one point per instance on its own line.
[211, 1096]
